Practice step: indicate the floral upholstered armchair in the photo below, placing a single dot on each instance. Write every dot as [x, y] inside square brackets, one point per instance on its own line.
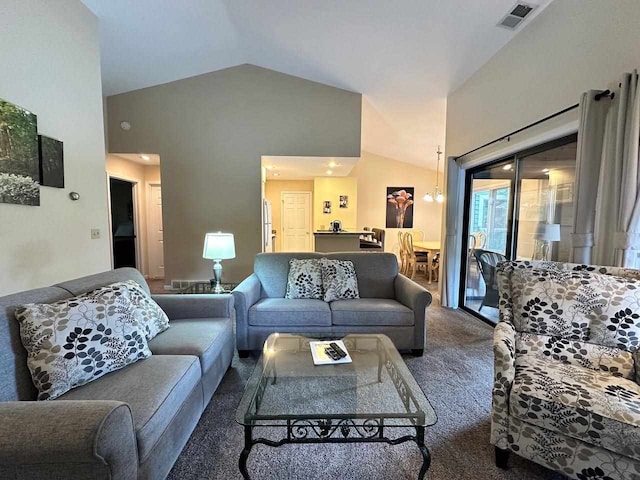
[566, 391]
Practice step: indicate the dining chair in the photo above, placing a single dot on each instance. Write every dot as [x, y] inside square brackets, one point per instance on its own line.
[402, 253]
[411, 263]
[481, 240]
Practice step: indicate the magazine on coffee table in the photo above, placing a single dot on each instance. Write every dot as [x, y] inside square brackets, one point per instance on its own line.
[321, 357]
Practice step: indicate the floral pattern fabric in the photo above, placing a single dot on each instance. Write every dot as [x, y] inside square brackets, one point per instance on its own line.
[148, 313]
[75, 341]
[565, 389]
[305, 279]
[594, 407]
[339, 280]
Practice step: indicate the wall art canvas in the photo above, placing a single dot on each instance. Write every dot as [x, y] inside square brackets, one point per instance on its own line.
[400, 207]
[326, 206]
[344, 201]
[19, 163]
[51, 162]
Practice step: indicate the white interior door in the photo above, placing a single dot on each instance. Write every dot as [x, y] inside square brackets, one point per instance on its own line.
[296, 221]
[155, 235]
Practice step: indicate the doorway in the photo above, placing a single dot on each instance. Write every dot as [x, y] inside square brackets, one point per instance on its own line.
[123, 223]
[296, 222]
[155, 231]
[517, 208]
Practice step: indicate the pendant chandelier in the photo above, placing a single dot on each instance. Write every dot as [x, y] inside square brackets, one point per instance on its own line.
[437, 194]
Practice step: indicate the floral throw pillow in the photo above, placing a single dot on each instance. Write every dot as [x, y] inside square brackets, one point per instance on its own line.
[148, 313]
[339, 280]
[305, 279]
[75, 341]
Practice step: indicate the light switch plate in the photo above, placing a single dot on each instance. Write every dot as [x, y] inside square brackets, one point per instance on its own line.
[95, 233]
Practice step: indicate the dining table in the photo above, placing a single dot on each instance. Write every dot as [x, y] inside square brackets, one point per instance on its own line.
[431, 247]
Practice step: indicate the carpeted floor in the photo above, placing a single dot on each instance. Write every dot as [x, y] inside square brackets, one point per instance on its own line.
[456, 375]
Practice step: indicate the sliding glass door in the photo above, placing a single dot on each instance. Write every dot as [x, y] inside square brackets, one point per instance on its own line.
[520, 207]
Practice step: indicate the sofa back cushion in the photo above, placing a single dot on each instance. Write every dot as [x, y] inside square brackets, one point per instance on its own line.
[578, 303]
[376, 271]
[91, 282]
[15, 378]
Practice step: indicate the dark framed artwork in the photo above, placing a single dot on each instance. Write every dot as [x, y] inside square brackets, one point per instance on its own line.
[400, 207]
[19, 161]
[51, 162]
[344, 201]
[326, 206]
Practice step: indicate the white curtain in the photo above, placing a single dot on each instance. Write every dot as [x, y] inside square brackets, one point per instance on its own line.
[607, 204]
[590, 140]
[452, 242]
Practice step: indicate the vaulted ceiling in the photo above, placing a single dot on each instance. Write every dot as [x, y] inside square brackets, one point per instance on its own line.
[404, 56]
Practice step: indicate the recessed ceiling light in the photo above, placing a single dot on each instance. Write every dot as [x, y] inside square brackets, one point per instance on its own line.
[329, 172]
[545, 170]
[276, 174]
[507, 167]
[145, 157]
[333, 164]
[270, 167]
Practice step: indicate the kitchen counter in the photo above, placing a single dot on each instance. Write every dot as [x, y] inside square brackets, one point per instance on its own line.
[342, 241]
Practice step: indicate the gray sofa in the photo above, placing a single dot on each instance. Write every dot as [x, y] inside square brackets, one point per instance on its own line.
[131, 423]
[389, 303]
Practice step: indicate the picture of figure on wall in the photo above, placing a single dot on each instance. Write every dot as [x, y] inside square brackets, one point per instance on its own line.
[400, 207]
[326, 206]
[19, 163]
[51, 162]
[344, 201]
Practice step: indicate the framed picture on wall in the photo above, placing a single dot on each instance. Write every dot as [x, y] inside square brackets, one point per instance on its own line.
[51, 162]
[344, 201]
[400, 207]
[19, 162]
[326, 206]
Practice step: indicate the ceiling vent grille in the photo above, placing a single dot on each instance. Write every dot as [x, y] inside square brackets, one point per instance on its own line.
[516, 15]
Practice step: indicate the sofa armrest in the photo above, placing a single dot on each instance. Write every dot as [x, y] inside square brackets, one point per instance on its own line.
[417, 298]
[504, 353]
[245, 295]
[195, 305]
[67, 439]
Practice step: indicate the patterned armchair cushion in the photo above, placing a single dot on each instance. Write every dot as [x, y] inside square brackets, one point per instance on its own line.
[596, 408]
[614, 361]
[579, 305]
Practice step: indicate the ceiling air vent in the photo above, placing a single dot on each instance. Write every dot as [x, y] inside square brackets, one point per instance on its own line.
[516, 15]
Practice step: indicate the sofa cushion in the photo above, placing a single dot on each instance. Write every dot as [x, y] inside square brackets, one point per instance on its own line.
[155, 389]
[371, 311]
[339, 280]
[79, 339]
[273, 270]
[148, 313]
[305, 279]
[376, 272]
[288, 312]
[613, 361]
[581, 305]
[199, 337]
[591, 406]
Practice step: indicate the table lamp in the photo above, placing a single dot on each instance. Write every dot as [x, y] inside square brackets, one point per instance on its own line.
[547, 233]
[217, 247]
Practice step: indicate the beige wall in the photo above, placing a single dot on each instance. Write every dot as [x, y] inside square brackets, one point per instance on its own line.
[210, 132]
[330, 188]
[571, 47]
[51, 67]
[273, 192]
[374, 174]
[142, 175]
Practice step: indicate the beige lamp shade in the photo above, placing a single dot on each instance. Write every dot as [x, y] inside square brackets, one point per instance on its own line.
[549, 232]
[219, 246]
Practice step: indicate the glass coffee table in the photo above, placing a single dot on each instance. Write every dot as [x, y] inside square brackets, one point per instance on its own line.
[368, 400]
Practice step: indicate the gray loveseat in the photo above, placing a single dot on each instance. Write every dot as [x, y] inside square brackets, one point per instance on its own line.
[131, 423]
[389, 303]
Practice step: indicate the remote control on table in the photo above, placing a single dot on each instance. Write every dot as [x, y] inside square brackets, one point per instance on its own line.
[332, 353]
[338, 350]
